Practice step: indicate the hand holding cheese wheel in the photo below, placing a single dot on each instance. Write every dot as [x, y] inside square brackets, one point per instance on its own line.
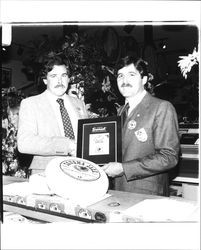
[77, 179]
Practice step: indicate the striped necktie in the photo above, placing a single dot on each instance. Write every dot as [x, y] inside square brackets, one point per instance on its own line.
[68, 129]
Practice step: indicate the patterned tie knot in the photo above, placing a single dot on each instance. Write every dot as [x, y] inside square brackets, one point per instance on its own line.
[61, 102]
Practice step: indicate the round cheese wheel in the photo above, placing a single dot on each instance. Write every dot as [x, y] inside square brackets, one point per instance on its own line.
[77, 179]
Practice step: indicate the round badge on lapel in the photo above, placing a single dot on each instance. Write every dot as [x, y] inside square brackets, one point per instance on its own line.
[132, 124]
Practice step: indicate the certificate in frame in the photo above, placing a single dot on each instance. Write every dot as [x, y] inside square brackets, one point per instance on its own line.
[100, 139]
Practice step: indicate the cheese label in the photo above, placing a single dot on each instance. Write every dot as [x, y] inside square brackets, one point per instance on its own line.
[80, 170]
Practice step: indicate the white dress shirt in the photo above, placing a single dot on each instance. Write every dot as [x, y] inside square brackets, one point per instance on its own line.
[135, 101]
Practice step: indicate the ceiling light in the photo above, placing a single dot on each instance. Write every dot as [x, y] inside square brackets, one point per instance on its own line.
[6, 34]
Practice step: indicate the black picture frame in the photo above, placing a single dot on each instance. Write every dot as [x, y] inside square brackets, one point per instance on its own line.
[6, 77]
[100, 139]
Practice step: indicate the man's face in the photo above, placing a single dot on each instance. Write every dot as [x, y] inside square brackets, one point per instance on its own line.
[57, 80]
[129, 81]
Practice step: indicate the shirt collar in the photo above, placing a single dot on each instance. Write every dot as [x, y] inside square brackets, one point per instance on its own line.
[135, 101]
[53, 98]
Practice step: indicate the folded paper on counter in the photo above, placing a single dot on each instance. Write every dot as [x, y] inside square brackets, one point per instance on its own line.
[18, 188]
[162, 210]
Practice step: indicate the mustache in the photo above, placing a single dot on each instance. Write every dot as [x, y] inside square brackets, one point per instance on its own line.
[59, 85]
[126, 85]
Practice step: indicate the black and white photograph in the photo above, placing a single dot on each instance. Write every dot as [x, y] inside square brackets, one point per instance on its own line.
[71, 179]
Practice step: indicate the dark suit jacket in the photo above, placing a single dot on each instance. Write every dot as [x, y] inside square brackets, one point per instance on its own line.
[150, 147]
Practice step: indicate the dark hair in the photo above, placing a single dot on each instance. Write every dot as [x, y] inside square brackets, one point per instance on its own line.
[50, 61]
[139, 63]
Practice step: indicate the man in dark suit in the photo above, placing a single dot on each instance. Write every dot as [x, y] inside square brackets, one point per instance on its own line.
[150, 135]
[42, 131]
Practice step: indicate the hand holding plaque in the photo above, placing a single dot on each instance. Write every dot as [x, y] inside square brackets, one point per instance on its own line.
[113, 169]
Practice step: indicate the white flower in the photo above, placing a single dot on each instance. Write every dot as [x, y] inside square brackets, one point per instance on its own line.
[187, 62]
[106, 84]
[14, 165]
[20, 174]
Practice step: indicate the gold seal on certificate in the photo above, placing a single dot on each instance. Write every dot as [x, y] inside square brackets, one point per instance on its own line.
[99, 139]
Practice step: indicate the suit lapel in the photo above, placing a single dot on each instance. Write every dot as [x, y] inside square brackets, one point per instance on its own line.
[144, 104]
[139, 110]
[134, 119]
[49, 113]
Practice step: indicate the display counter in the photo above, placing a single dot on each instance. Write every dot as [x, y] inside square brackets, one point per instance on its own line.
[115, 206]
[187, 170]
[185, 176]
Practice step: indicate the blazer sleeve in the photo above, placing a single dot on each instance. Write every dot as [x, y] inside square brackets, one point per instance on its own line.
[30, 141]
[166, 143]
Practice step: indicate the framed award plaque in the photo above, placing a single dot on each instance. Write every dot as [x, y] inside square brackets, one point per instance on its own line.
[100, 139]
